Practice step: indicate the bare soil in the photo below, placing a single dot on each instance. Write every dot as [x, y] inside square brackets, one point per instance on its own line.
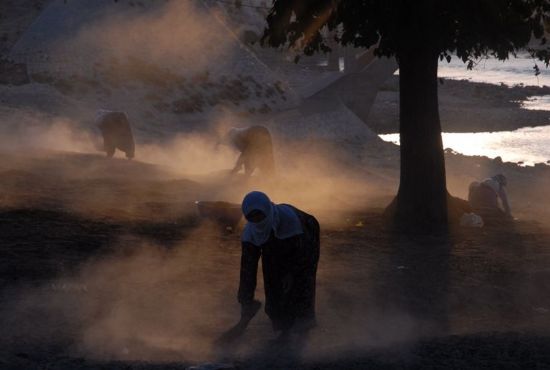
[70, 257]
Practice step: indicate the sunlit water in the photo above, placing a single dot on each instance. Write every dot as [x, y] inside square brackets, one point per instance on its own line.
[529, 145]
[541, 102]
[514, 71]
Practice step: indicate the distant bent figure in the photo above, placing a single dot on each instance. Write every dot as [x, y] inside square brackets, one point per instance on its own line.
[256, 149]
[484, 197]
[117, 133]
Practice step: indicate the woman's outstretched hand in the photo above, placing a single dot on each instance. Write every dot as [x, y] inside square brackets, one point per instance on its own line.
[248, 311]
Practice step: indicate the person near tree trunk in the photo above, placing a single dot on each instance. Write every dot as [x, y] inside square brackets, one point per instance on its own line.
[484, 197]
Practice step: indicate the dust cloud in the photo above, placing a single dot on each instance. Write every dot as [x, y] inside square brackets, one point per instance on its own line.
[27, 130]
[61, 159]
[169, 34]
[150, 301]
[147, 300]
[183, 36]
[190, 154]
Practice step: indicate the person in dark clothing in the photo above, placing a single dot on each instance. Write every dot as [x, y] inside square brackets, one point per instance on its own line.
[117, 133]
[287, 240]
[256, 149]
[484, 198]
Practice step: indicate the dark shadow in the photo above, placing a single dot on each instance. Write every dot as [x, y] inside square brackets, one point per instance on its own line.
[412, 282]
[38, 245]
[167, 233]
[282, 352]
[467, 280]
[501, 277]
[475, 351]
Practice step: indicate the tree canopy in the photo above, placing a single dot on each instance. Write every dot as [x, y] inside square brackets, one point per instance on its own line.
[418, 33]
[469, 29]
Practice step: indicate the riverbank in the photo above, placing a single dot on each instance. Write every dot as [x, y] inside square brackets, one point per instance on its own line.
[466, 106]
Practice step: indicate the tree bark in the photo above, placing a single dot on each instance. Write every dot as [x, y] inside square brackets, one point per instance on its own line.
[421, 202]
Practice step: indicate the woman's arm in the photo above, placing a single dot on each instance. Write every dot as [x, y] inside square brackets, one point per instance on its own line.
[249, 269]
[504, 200]
[247, 286]
[238, 165]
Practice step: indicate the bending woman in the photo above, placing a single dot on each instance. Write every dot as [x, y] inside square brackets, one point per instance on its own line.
[287, 239]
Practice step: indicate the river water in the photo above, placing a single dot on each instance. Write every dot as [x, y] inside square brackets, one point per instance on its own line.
[528, 145]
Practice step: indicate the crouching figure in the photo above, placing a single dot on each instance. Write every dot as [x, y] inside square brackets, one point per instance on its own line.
[116, 131]
[256, 149]
[287, 240]
[484, 198]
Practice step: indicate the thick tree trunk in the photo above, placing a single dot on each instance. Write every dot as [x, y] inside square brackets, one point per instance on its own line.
[421, 202]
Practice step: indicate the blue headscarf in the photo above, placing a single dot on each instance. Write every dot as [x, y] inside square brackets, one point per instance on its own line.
[280, 218]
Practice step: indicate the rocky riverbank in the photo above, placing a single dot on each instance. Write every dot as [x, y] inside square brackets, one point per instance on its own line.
[466, 106]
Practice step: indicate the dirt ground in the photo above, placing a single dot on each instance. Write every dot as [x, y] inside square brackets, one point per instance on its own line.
[105, 264]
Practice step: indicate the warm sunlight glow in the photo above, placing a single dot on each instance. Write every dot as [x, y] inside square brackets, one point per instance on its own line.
[527, 145]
